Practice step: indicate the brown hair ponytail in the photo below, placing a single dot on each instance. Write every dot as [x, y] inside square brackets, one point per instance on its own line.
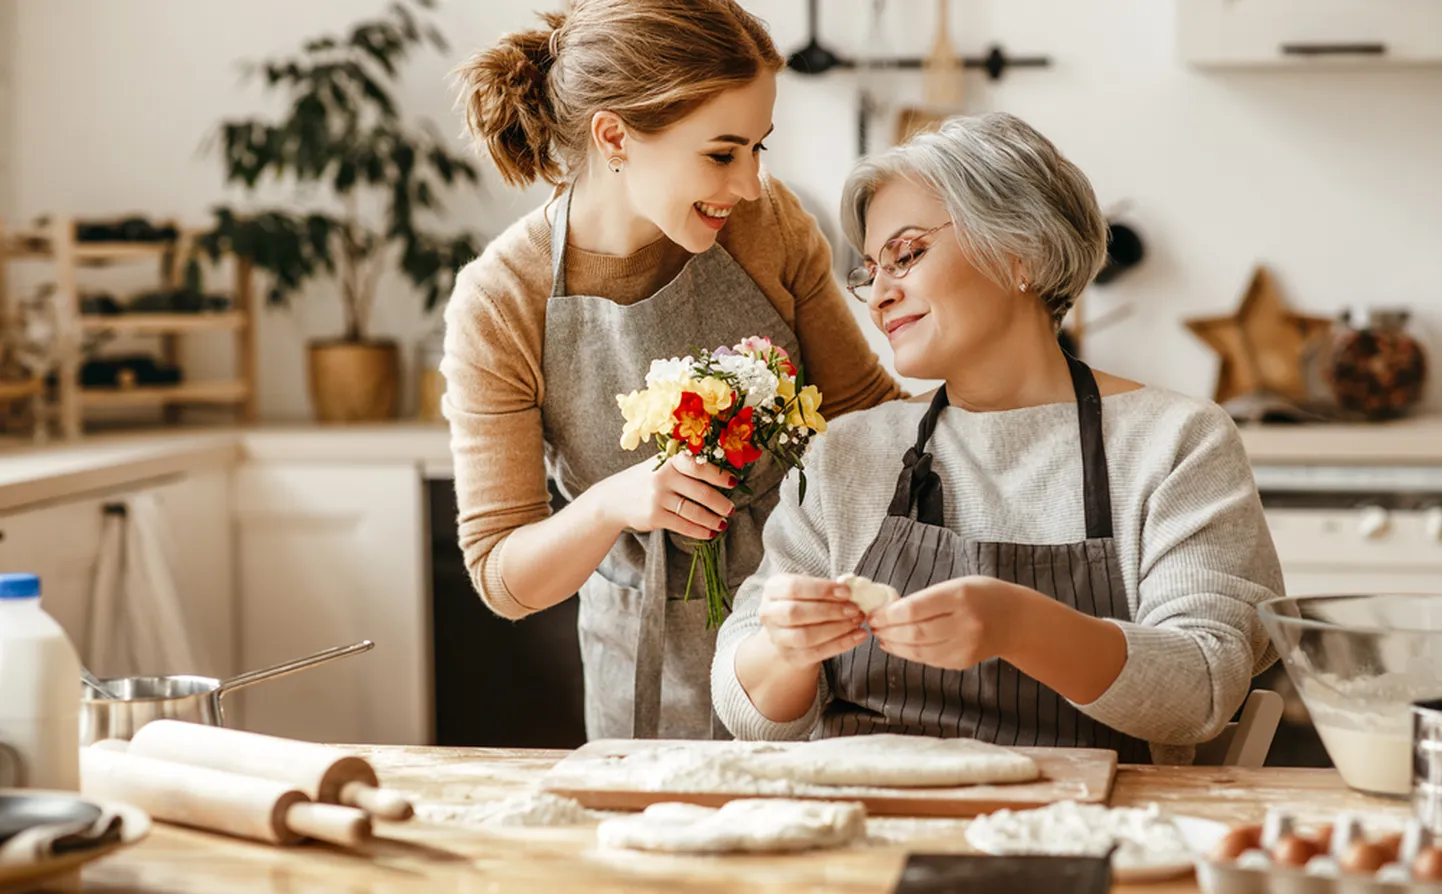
[529, 99]
[507, 106]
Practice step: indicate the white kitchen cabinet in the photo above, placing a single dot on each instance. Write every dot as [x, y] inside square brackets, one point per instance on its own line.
[327, 555]
[1309, 32]
[1359, 550]
[61, 544]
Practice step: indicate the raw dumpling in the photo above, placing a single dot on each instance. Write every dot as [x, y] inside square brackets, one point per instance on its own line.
[867, 594]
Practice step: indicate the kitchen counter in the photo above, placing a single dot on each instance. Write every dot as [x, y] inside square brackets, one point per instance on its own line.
[30, 474]
[424, 856]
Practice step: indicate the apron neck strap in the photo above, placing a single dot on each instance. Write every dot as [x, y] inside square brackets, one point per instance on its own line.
[1096, 485]
[560, 226]
[918, 484]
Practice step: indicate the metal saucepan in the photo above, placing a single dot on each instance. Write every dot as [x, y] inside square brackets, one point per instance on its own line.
[179, 697]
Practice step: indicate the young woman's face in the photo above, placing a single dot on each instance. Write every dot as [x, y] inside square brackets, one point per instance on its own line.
[687, 178]
[943, 308]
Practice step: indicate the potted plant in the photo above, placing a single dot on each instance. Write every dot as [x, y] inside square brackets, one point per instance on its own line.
[364, 176]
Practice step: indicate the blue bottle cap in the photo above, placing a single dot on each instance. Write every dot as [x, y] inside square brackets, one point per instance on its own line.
[19, 586]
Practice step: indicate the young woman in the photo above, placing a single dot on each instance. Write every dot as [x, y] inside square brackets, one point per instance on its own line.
[1078, 556]
[663, 233]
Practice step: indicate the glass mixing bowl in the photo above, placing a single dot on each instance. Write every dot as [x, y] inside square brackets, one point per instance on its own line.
[1358, 663]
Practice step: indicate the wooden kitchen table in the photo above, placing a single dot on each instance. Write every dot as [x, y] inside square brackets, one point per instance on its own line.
[417, 856]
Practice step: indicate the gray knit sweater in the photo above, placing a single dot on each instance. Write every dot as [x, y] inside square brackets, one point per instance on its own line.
[1192, 541]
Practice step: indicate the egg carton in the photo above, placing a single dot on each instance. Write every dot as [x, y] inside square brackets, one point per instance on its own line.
[1348, 866]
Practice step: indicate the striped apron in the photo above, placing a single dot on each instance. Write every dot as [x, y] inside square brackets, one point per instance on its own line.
[875, 692]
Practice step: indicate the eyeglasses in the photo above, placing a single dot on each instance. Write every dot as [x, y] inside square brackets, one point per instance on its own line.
[896, 259]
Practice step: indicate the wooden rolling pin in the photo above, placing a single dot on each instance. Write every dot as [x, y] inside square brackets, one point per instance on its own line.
[243, 806]
[324, 773]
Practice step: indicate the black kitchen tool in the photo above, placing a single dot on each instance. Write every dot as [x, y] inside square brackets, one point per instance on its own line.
[985, 874]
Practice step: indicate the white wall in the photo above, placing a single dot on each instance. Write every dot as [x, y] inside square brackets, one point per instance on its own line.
[1330, 177]
[8, 44]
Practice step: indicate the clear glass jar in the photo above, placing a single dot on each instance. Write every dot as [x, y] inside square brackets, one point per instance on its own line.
[430, 384]
[1375, 367]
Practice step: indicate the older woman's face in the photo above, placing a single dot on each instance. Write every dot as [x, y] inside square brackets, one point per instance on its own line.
[943, 308]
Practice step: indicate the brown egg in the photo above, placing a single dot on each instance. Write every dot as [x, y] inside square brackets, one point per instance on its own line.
[1323, 837]
[1362, 857]
[1428, 864]
[1391, 846]
[1293, 850]
[1242, 838]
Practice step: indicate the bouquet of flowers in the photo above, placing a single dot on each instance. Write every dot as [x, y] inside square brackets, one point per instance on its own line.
[728, 408]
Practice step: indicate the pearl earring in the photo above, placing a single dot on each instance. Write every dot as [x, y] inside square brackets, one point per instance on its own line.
[1025, 286]
[616, 163]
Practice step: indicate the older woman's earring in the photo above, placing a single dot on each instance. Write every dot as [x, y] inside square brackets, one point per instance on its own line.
[616, 163]
[1025, 286]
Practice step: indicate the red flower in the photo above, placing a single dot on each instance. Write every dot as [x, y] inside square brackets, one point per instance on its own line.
[736, 440]
[692, 421]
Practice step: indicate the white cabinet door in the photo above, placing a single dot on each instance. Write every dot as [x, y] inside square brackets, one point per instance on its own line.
[1358, 550]
[329, 555]
[61, 543]
[1308, 32]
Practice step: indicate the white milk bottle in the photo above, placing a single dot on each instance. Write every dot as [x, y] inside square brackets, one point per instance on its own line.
[40, 692]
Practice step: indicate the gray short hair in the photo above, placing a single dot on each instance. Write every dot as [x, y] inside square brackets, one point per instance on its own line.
[1011, 194]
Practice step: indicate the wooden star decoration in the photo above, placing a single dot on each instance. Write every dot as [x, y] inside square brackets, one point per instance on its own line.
[1261, 344]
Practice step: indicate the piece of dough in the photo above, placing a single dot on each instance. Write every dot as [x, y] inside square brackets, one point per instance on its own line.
[892, 760]
[748, 824]
[868, 594]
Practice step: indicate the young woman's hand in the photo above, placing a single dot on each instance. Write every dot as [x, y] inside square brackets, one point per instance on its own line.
[681, 496]
[808, 619]
[953, 625]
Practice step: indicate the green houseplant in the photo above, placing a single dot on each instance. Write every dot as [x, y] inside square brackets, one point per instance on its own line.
[364, 177]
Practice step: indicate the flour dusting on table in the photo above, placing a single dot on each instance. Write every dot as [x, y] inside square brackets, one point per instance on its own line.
[528, 809]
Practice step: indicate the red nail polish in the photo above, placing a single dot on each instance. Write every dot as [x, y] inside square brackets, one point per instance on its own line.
[731, 481]
[724, 524]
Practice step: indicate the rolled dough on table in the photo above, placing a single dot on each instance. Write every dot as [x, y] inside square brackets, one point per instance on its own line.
[748, 824]
[893, 760]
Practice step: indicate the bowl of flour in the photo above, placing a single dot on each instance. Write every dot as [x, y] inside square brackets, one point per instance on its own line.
[1358, 662]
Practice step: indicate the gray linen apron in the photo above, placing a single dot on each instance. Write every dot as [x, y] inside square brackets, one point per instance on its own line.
[646, 653]
[992, 701]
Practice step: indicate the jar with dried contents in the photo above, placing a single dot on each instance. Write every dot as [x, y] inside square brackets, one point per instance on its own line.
[1376, 368]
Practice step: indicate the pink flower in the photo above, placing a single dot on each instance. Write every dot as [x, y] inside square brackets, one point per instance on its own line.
[756, 344]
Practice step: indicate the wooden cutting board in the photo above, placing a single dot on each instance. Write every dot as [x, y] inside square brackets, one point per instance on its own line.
[1077, 774]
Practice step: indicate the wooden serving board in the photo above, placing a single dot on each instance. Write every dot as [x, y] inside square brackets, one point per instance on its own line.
[1077, 774]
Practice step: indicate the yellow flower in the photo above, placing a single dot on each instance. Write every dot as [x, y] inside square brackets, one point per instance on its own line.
[785, 388]
[715, 394]
[805, 410]
[648, 412]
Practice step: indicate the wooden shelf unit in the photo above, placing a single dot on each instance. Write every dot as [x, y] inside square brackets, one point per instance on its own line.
[57, 245]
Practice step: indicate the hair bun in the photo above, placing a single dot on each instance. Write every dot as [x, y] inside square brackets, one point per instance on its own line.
[508, 108]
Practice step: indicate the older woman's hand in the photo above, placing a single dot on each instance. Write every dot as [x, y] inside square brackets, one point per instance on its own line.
[809, 619]
[953, 625]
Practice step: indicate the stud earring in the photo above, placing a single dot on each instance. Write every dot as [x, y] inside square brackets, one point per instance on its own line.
[616, 163]
[1025, 286]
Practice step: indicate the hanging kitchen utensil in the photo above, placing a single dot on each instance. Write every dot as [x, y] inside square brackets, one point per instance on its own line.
[813, 58]
[941, 70]
[180, 697]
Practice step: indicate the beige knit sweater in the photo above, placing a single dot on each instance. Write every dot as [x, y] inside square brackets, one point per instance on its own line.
[495, 328]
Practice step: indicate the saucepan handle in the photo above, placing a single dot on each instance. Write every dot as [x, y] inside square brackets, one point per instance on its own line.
[292, 666]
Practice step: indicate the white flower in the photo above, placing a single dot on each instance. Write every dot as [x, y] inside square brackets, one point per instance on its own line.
[719, 453]
[673, 370]
[752, 378]
[782, 440]
[701, 460]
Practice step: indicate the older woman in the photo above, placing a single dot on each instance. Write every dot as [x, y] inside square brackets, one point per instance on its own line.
[1079, 556]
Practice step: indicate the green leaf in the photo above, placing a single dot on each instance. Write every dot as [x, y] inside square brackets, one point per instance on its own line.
[801, 489]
